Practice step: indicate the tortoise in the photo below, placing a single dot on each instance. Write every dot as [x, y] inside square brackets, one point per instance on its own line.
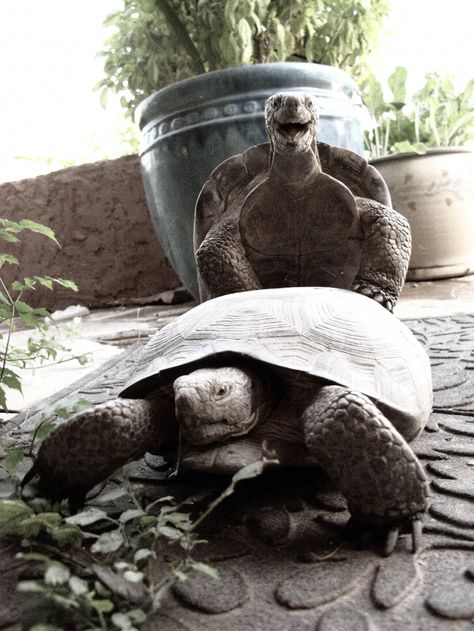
[320, 376]
[296, 212]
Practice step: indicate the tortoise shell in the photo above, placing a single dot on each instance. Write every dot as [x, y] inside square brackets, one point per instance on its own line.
[232, 180]
[333, 334]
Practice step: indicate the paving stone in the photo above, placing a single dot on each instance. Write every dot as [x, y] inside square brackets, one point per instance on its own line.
[323, 583]
[343, 618]
[212, 595]
[455, 601]
[396, 578]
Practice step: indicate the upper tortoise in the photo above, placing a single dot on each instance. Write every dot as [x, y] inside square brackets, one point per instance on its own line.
[319, 375]
[296, 212]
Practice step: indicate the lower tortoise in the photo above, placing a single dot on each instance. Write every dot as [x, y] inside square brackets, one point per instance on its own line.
[319, 376]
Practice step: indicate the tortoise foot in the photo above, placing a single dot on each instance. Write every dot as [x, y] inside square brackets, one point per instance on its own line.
[368, 460]
[389, 535]
[415, 532]
[376, 292]
[85, 450]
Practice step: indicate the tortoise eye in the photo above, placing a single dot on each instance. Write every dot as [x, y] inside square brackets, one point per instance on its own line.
[277, 101]
[309, 102]
[222, 391]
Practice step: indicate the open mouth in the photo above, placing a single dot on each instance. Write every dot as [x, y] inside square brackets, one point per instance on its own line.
[292, 130]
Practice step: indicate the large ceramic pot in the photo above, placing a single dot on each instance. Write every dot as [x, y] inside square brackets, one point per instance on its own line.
[189, 127]
[435, 192]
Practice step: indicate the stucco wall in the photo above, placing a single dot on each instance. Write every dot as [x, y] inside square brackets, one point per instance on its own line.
[108, 244]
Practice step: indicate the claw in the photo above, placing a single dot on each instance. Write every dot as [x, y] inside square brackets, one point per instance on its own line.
[391, 541]
[416, 534]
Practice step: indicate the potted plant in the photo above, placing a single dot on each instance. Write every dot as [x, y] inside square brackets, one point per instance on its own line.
[419, 147]
[225, 56]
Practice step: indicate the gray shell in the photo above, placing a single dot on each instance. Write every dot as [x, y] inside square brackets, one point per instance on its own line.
[334, 334]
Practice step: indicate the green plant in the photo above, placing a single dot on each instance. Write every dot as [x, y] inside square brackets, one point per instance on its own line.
[94, 571]
[157, 42]
[42, 345]
[437, 115]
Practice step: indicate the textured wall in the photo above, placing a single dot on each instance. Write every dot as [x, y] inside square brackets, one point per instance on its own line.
[108, 244]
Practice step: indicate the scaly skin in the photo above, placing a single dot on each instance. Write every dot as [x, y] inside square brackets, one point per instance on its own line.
[91, 445]
[368, 460]
[385, 257]
[222, 263]
[224, 260]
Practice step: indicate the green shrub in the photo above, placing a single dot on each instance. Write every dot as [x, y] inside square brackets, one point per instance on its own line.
[438, 115]
[157, 42]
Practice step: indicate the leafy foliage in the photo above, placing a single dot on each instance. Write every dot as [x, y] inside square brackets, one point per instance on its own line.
[438, 115]
[42, 346]
[157, 42]
[98, 571]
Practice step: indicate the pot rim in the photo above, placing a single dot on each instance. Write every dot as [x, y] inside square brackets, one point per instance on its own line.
[413, 155]
[184, 94]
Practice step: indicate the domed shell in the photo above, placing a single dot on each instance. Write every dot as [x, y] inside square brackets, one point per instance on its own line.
[334, 334]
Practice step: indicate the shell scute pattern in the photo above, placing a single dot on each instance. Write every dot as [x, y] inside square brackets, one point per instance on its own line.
[330, 333]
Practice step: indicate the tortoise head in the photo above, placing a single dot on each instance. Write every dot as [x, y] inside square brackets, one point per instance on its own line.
[214, 404]
[292, 120]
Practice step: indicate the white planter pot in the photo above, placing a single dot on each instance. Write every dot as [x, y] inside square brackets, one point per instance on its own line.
[435, 192]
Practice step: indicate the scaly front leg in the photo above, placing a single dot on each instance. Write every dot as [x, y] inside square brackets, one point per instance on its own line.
[368, 460]
[223, 267]
[385, 253]
[83, 451]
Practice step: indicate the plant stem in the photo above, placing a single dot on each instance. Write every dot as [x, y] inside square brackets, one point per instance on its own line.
[181, 33]
[9, 334]
[387, 137]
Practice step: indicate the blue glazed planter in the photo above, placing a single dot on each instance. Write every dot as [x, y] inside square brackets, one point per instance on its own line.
[191, 126]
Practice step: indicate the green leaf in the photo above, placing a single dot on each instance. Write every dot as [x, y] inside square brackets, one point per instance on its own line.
[30, 586]
[205, 569]
[7, 236]
[12, 515]
[33, 556]
[112, 495]
[43, 429]
[78, 586]
[45, 281]
[3, 399]
[104, 606]
[67, 536]
[39, 228]
[108, 542]
[133, 576]
[11, 379]
[13, 458]
[12, 226]
[408, 147]
[17, 286]
[128, 515]
[9, 259]
[68, 284]
[86, 517]
[57, 574]
[397, 83]
[141, 555]
[169, 533]
[122, 621]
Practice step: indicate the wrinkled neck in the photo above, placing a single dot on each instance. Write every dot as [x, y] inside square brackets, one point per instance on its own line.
[295, 168]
